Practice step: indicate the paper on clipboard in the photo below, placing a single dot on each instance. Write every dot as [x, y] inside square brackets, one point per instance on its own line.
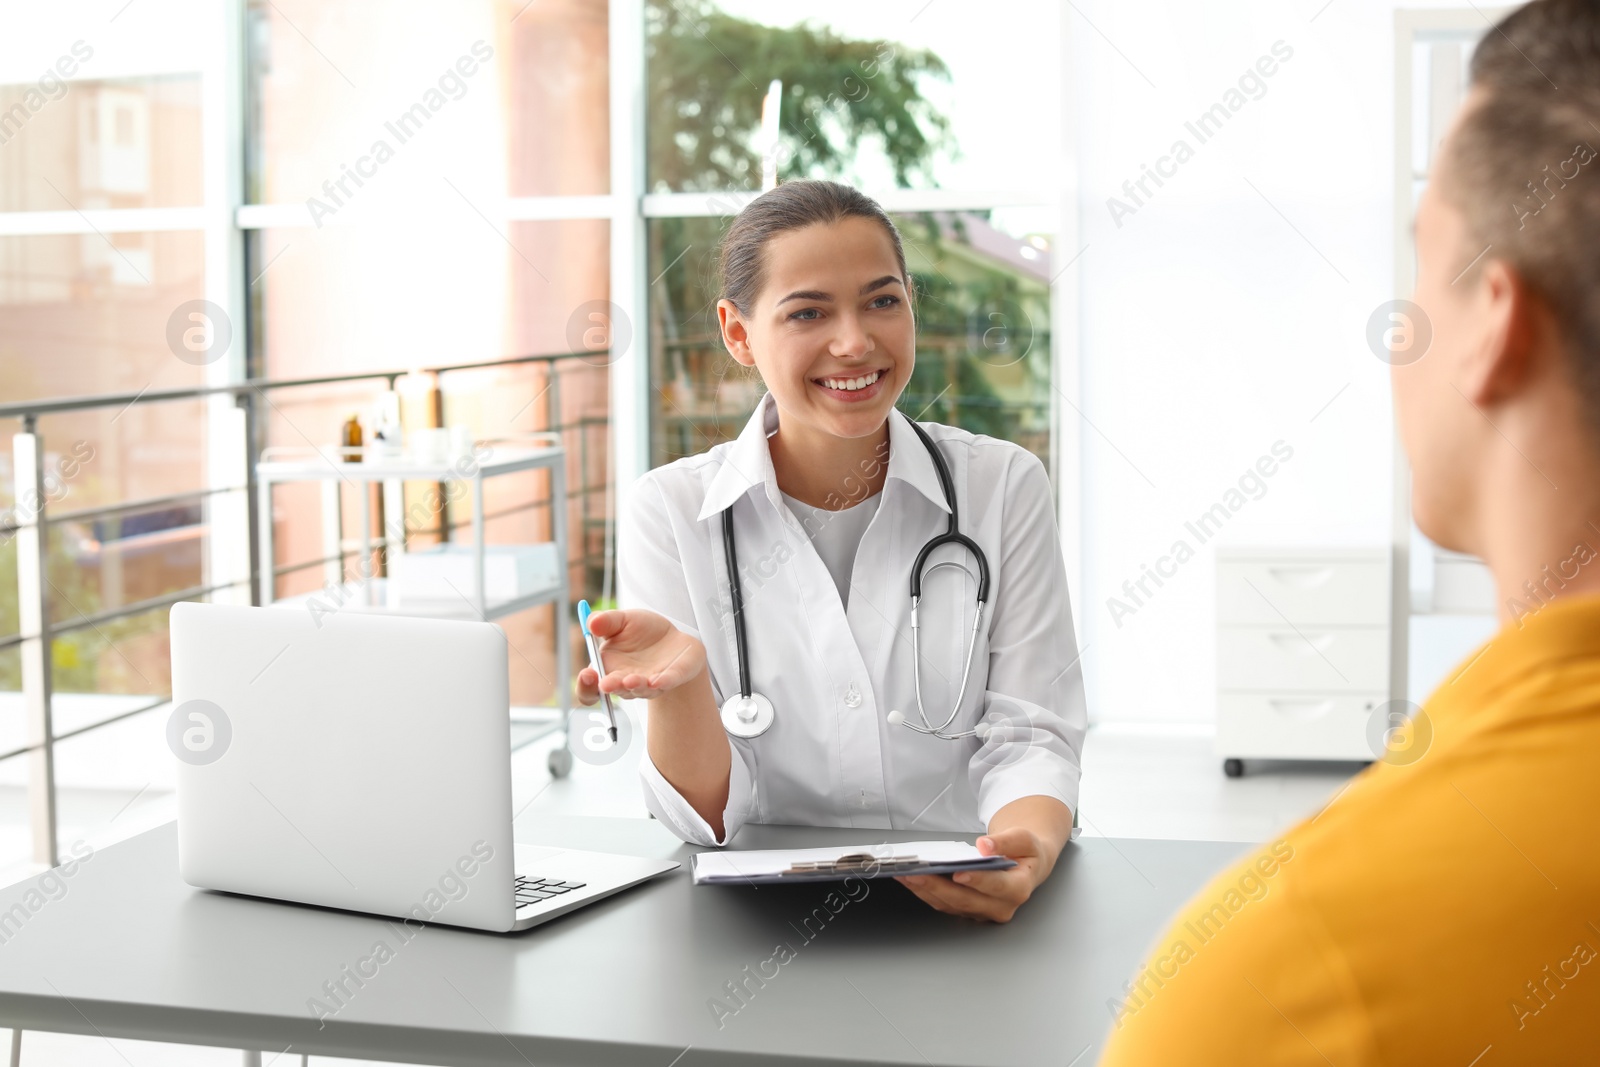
[838, 862]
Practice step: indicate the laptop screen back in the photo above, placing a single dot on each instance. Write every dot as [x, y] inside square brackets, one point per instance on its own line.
[348, 760]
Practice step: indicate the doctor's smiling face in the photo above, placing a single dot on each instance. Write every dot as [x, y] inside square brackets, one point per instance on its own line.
[824, 313]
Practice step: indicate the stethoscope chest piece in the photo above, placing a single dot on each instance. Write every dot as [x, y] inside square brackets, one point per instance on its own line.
[747, 716]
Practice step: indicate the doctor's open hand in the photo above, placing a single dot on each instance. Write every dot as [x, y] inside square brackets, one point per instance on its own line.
[644, 655]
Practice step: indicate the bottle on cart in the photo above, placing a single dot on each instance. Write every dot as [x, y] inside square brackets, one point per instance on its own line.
[352, 439]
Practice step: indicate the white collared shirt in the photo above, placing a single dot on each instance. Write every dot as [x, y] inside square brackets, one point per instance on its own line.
[831, 757]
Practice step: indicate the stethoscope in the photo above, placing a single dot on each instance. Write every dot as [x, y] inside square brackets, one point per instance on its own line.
[749, 714]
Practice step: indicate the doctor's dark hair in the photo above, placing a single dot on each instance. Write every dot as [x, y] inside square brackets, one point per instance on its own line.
[1515, 166]
[794, 205]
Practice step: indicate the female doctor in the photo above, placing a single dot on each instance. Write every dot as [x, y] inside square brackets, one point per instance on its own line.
[833, 696]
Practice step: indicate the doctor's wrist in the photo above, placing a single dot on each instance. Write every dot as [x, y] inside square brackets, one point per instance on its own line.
[687, 688]
[691, 660]
[1047, 819]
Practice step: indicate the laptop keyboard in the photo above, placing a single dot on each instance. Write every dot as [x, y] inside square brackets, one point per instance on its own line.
[536, 890]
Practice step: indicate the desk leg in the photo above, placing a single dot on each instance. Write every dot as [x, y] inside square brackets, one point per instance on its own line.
[252, 1059]
[16, 1048]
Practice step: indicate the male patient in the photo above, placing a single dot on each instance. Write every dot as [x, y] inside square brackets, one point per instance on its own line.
[1445, 909]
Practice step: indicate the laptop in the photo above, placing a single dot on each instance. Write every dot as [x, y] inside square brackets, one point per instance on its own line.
[361, 762]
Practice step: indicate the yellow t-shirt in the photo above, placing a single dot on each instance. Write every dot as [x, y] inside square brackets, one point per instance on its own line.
[1443, 909]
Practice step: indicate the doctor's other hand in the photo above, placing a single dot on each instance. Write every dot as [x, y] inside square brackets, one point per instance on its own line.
[644, 655]
[993, 896]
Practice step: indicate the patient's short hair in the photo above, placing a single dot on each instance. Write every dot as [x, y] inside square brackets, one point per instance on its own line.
[1523, 166]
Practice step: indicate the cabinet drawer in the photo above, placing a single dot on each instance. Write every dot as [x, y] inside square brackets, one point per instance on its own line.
[1266, 591]
[1296, 725]
[1303, 658]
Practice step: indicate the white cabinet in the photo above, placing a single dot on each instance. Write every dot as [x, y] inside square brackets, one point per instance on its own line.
[1302, 652]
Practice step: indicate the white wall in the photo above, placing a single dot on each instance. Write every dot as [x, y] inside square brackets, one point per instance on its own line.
[1212, 325]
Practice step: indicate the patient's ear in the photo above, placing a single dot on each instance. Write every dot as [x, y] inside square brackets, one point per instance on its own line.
[1511, 318]
[735, 333]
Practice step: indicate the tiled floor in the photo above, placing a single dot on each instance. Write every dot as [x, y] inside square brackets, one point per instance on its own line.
[1153, 782]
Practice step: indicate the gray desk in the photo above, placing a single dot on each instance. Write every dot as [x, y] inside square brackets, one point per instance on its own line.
[130, 951]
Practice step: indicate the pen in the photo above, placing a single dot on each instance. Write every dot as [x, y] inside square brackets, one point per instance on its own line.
[594, 661]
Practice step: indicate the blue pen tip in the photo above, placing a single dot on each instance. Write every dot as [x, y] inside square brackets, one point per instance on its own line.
[583, 613]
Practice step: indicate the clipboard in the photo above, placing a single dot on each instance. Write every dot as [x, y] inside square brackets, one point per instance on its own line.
[839, 862]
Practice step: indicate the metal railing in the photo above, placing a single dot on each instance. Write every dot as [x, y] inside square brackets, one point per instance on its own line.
[36, 632]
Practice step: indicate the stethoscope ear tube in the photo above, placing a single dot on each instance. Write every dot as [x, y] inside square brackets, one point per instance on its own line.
[744, 714]
[736, 595]
[953, 534]
[951, 539]
[945, 482]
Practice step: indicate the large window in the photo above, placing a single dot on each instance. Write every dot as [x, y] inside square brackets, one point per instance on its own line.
[900, 99]
[397, 152]
[99, 179]
[104, 236]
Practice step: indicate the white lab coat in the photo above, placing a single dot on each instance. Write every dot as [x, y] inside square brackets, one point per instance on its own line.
[831, 757]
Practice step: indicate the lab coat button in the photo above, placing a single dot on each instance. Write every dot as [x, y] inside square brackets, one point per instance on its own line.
[852, 696]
